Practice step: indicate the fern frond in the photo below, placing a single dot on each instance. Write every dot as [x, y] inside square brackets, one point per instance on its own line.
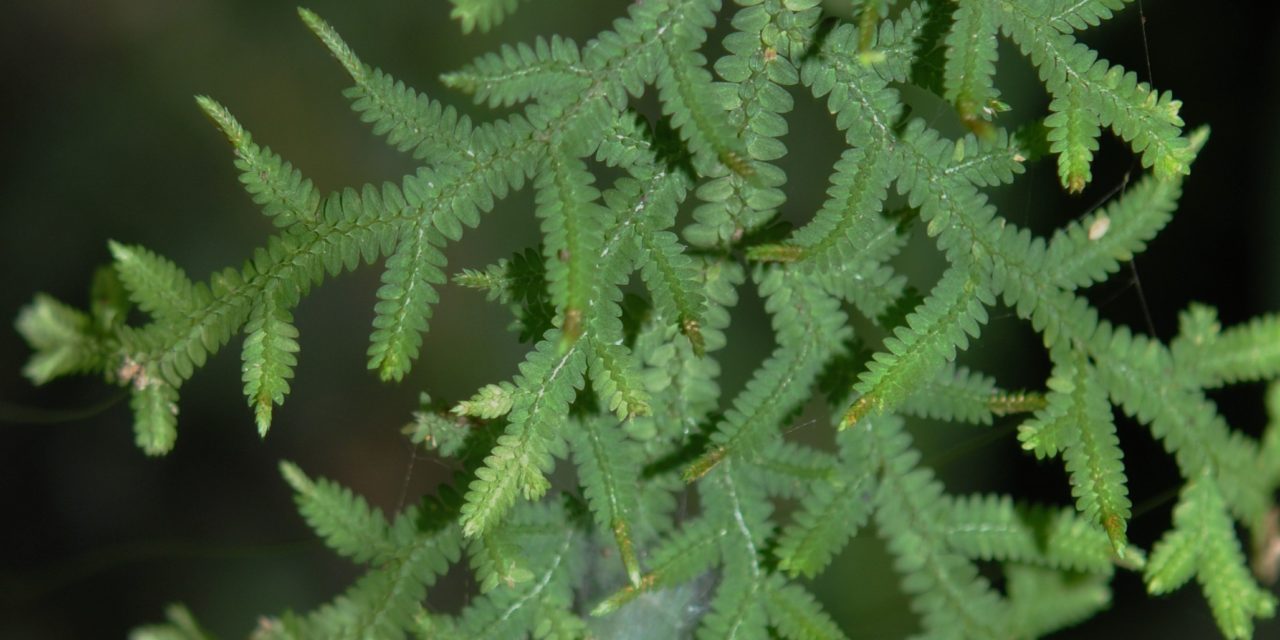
[767, 38]
[273, 183]
[345, 522]
[572, 237]
[1203, 543]
[828, 517]
[408, 120]
[672, 278]
[849, 222]
[518, 279]
[438, 432]
[1135, 373]
[953, 312]
[609, 469]
[790, 469]
[547, 70]
[685, 89]
[616, 380]
[969, 72]
[1043, 601]
[1077, 15]
[1091, 249]
[991, 160]
[496, 560]
[1077, 420]
[62, 339]
[810, 327]
[405, 300]
[735, 610]
[1107, 94]
[485, 14]
[1246, 352]
[946, 589]
[546, 385]
[155, 284]
[796, 614]
[1073, 133]
[385, 602]
[956, 394]
[866, 107]
[268, 356]
[491, 401]
[155, 415]
[994, 528]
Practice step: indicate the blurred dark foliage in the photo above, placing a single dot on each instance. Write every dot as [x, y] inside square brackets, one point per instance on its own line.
[102, 140]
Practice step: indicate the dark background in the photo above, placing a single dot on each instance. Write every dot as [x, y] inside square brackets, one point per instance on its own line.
[102, 140]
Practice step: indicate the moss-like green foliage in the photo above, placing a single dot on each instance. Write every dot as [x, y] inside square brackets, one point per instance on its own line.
[624, 388]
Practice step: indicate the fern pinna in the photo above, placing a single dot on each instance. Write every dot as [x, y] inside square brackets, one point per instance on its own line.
[627, 391]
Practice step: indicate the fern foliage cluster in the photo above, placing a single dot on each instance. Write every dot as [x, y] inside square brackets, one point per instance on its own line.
[622, 388]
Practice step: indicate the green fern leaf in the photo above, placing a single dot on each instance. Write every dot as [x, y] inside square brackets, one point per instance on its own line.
[994, 528]
[969, 73]
[1078, 420]
[268, 355]
[1203, 543]
[491, 401]
[796, 614]
[672, 279]
[946, 589]
[735, 609]
[1114, 98]
[345, 522]
[1043, 601]
[810, 328]
[828, 517]
[1072, 134]
[572, 237]
[385, 601]
[849, 222]
[1089, 250]
[405, 300]
[544, 71]
[155, 415]
[960, 395]
[485, 14]
[791, 470]
[616, 381]
[609, 468]
[546, 385]
[436, 431]
[155, 284]
[1078, 15]
[1244, 353]
[496, 560]
[61, 338]
[953, 312]
[273, 183]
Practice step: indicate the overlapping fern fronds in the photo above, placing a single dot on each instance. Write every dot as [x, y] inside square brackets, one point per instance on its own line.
[624, 387]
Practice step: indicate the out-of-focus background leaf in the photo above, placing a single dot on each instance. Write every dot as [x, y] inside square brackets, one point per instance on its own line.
[102, 140]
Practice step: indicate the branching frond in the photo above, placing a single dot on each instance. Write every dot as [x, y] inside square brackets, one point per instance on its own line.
[1203, 544]
[616, 292]
[547, 383]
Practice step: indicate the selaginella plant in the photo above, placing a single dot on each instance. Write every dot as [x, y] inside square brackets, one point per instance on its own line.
[623, 388]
